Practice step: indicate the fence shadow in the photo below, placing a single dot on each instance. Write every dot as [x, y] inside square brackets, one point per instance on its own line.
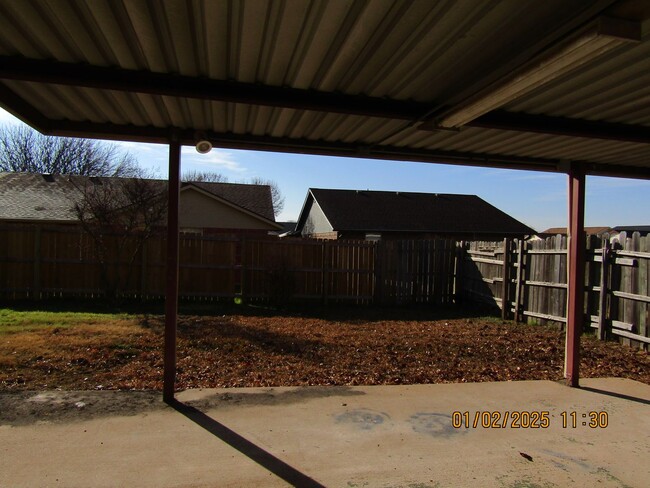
[615, 395]
[477, 286]
[264, 458]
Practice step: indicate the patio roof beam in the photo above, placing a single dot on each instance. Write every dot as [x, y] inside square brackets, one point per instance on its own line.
[332, 148]
[562, 126]
[293, 145]
[21, 109]
[559, 126]
[203, 88]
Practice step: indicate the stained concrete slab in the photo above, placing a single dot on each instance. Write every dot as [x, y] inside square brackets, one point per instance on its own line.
[379, 436]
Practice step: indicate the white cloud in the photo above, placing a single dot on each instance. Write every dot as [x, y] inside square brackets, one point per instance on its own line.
[139, 147]
[216, 160]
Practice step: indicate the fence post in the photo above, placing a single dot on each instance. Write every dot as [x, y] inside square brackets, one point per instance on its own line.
[38, 233]
[602, 302]
[592, 247]
[458, 275]
[505, 289]
[242, 268]
[518, 286]
[379, 275]
[143, 269]
[324, 267]
[616, 279]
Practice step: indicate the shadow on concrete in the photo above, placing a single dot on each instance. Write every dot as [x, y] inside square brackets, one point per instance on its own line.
[264, 458]
[616, 395]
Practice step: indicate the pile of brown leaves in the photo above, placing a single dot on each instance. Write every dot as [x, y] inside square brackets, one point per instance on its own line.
[289, 350]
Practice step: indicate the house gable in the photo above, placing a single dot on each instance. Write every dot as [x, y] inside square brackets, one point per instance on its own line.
[313, 220]
[199, 209]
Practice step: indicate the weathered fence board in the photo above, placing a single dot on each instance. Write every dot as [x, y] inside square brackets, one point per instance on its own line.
[40, 262]
[616, 292]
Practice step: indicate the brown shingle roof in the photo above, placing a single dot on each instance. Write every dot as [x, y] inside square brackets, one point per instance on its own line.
[29, 196]
[562, 230]
[384, 211]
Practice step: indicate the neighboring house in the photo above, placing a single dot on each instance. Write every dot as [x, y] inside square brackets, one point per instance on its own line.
[287, 229]
[374, 215]
[643, 230]
[205, 208]
[553, 231]
[614, 232]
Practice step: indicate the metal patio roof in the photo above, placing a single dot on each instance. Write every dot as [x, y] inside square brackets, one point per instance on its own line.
[351, 78]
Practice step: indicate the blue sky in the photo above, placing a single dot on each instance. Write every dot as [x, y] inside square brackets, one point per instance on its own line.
[536, 199]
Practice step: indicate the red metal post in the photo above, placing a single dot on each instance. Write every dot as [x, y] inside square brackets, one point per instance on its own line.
[576, 278]
[171, 295]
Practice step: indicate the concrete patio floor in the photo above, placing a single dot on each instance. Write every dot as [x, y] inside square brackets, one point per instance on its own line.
[377, 436]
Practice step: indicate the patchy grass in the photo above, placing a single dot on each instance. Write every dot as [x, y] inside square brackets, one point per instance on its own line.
[257, 347]
[12, 321]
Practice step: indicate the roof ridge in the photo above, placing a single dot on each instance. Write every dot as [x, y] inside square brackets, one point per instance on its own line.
[395, 191]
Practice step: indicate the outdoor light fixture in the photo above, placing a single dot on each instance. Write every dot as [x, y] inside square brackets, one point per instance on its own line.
[203, 146]
[600, 37]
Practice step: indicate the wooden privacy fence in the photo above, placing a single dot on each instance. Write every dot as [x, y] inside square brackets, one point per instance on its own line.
[528, 280]
[40, 262]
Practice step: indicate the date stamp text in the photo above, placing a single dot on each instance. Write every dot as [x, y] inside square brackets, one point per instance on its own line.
[527, 419]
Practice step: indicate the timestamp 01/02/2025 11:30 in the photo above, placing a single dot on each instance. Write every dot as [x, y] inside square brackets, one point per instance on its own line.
[527, 419]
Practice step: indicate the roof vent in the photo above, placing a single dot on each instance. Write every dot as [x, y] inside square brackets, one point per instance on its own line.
[49, 178]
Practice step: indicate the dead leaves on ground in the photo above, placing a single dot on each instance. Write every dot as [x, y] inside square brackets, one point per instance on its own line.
[238, 350]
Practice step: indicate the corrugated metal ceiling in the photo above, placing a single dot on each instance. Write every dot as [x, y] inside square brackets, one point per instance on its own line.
[435, 53]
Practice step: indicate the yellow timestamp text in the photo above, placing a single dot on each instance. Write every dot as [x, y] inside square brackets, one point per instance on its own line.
[594, 420]
[527, 419]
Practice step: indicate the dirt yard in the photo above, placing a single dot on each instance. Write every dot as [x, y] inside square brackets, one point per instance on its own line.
[258, 348]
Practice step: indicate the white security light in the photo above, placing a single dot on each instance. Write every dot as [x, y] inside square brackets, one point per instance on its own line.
[203, 146]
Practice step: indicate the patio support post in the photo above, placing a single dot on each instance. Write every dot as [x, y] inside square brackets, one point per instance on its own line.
[576, 269]
[171, 294]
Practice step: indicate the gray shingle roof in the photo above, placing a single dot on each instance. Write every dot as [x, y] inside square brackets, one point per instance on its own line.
[256, 198]
[384, 211]
[29, 196]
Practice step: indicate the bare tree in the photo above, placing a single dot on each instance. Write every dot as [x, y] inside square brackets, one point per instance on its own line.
[276, 194]
[120, 215]
[207, 176]
[22, 149]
